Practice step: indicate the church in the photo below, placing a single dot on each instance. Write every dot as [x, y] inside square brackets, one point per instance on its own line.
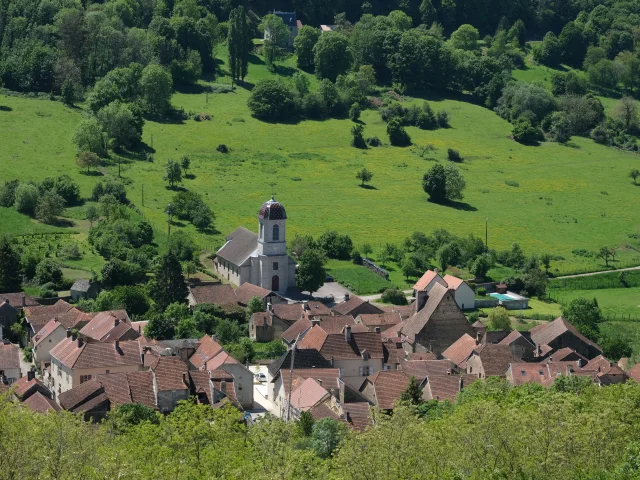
[259, 259]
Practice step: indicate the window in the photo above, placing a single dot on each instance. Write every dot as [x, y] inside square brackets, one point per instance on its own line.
[341, 371]
[85, 378]
[364, 371]
[276, 233]
[261, 230]
[107, 372]
[523, 372]
[275, 265]
[386, 367]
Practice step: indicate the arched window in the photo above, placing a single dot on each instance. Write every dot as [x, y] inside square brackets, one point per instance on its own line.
[276, 233]
[261, 230]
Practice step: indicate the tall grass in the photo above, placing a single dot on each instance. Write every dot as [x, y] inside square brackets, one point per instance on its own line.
[624, 279]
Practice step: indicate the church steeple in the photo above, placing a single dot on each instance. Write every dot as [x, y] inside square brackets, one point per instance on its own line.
[272, 220]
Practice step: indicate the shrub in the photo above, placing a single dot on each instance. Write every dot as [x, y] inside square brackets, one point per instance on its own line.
[356, 258]
[442, 117]
[271, 100]
[8, 193]
[482, 291]
[394, 296]
[454, 155]
[222, 148]
[26, 198]
[48, 271]
[524, 132]
[374, 141]
[354, 112]
[357, 139]
[397, 134]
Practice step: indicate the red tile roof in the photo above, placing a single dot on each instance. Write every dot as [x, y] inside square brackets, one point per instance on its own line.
[495, 358]
[45, 331]
[73, 318]
[15, 300]
[219, 360]
[425, 280]
[388, 386]
[298, 328]
[307, 393]
[246, 291]
[71, 399]
[634, 372]
[335, 345]
[335, 324]
[327, 377]
[446, 387]
[171, 374]
[218, 294]
[39, 316]
[9, 356]
[208, 349]
[40, 403]
[460, 350]
[260, 319]
[453, 282]
[382, 320]
[106, 327]
[348, 307]
[567, 354]
[596, 364]
[539, 373]
[288, 312]
[423, 368]
[23, 386]
[97, 355]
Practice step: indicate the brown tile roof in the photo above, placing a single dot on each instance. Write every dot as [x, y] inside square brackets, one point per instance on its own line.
[327, 377]
[218, 294]
[425, 280]
[15, 300]
[512, 337]
[417, 322]
[240, 244]
[260, 319]
[288, 312]
[208, 349]
[335, 346]
[74, 318]
[634, 372]
[357, 414]
[139, 326]
[229, 390]
[9, 356]
[567, 354]
[392, 353]
[423, 368]
[200, 381]
[246, 291]
[546, 333]
[121, 315]
[495, 358]
[298, 328]
[171, 374]
[388, 386]
[78, 395]
[382, 320]
[45, 331]
[39, 316]
[522, 372]
[219, 360]
[405, 311]
[317, 308]
[460, 350]
[324, 410]
[347, 308]
[335, 324]
[141, 388]
[23, 386]
[422, 356]
[453, 282]
[106, 327]
[97, 355]
[596, 364]
[393, 332]
[40, 403]
[307, 393]
[446, 387]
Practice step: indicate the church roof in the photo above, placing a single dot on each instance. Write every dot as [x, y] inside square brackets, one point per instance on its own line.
[272, 210]
[241, 243]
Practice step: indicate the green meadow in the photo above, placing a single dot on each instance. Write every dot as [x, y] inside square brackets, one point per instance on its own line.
[549, 198]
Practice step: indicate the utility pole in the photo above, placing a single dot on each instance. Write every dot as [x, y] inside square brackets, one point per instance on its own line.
[169, 214]
[486, 234]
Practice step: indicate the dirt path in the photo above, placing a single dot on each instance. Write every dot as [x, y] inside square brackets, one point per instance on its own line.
[600, 273]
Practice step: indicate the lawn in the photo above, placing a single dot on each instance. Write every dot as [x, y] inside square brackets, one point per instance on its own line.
[536, 308]
[615, 303]
[356, 278]
[569, 197]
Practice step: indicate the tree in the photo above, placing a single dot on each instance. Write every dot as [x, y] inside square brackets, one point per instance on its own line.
[545, 259]
[549, 51]
[301, 83]
[327, 435]
[305, 422]
[255, 305]
[524, 132]
[332, 55]
[364, 176]
[168, 284]
[87, 160]
[50, 205]
[9, 267]
[626, 112]
[428, 13]
[606, 254]
[615, 347]
[271, 100]
[397, 134]
[160, 327]
[26, 198]
[448, 254]
[454, 184]
[434, 183]
[366, 249]
[156, 85]
[634, 174]
[48, 271]
[394, 296]
[465, 37]
[357, 132]
[412, 395]
[185, 163]
[311, 272]
[481, 265]
[172, 173]
[499, 320]
[354, 112]
[585, 315]
[276, 36]
[303, 46]
[410, 268]
[238, 43]
[190, 269]
[120, 125]
[517, 33]
[90, 137]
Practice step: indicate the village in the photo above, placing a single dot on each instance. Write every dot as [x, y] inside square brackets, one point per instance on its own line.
[344, 356]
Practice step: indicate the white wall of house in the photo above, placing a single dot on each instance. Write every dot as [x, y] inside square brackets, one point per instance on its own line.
[465, 296]
[358, 368]
[230, 272]
[12, 374]
[242, 382]
[42, 351]
[434, 280]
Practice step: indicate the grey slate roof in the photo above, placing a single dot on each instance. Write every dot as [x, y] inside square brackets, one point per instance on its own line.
[289, 18]
[304, 358]
[81, 285]
[240, 244]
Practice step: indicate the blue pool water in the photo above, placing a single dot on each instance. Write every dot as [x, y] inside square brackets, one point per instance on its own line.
[502, 296]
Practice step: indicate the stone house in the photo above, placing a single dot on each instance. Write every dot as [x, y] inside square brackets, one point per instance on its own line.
[172, 383]
[520, 346]
[83, 288]
[246, 291]
[461, 350]
[108, 327]
[9, 363]
[491, 360]
[427, 281]
[355, 306]
[11, 304]
[437, 323]
[383, 388]
[560, 334]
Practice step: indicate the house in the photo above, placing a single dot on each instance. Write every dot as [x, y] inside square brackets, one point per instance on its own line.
[281, 318]
[108, 327]
[75, 361]
[327, 28]
[214, 388]
[302, 359]
[461, 350]
[383, 389]
[355, 306]
[40, 403]
[427, 281]
[520, 346]
[421, 369]
[464, 295]
[83, 288]
[39, 315]
[437, 323]
[566, 355]
[259, 259]
[47, 337]
[211, 356]
[607, 372]
[634, 373]
[27, 386]
[354, 414]
[382, 321]
[491, 360]
[355, 354]
[303, 385]
[171, 381]
[559, 334]
[246, 291]
[445, 387]
[543, 373]
[88, 399]
[10, 306]
[292, 24]
[9, 363]
[297, 331]
[222, 295]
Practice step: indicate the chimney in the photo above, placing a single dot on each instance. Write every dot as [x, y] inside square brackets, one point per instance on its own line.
[421, 299]
[319, 380]
[377, 329]
[6, 301]
[348, 418]
[478, 338]
[448, 372]
[184, 378]
[80, 341]
[346, 297]
[117, 345]
[223, 387]
[305, 306]
[268, 306]
[116, 322]
[347, 333]
[68, 332]
[31, 375]
[435, 270]
[24, 301]
[74, 337]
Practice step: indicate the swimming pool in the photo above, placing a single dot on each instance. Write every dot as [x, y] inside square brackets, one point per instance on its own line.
[502, 296]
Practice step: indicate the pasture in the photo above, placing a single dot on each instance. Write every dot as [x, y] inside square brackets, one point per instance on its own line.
[571, 198]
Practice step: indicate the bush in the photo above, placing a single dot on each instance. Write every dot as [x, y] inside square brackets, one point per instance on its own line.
[26, 198]
[356, 258]
[482, 291]
[8, 193]
[394, 296]
[397, 134]
[48, 271]
[357, 138]
[48, 290]
[354, 112]
[442, 117]
[454, 155]
[110, 187]
[524, 132]
[222, 148]
[271, 100]
[374, 141]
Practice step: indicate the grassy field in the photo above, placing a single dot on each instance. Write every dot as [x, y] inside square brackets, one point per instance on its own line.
[569, 197]
[356, 278]
[615, 303]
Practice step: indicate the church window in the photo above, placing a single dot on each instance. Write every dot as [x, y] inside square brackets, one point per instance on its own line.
[275, 265]
[261, 230]
[276, 233]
